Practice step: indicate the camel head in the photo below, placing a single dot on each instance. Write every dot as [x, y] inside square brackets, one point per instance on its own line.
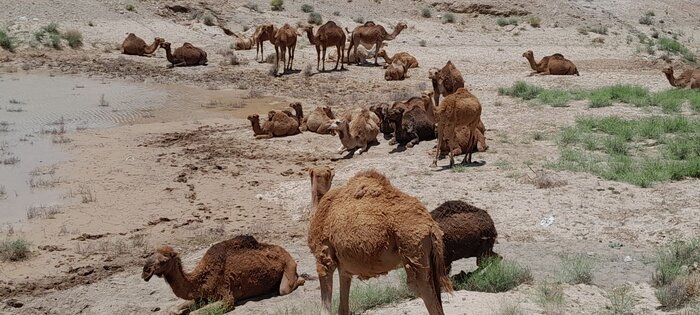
[394, 114]
[321, 179]
[433, 73]
[401, 26]
[165, 45]
[254, 118]
[382, 53]
[528, 54]
[427, 96]
[159, 40]
[338, 125]
[296, 106]
[159, 263]
[668, 70]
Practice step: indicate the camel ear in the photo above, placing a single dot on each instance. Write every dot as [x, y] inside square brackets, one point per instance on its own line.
[311, 173]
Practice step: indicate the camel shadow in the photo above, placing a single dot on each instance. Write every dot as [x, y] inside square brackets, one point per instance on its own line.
[458, 166]
[398, 149]
[328, 71]
[288, 72]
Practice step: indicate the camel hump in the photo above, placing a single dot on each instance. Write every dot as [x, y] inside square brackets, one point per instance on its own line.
[454, 207]
[373, 175]
[558, 55]
[244, 241]
[369, 23]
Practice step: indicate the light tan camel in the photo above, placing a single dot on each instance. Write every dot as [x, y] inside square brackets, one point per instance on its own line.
[231, 270]
[285, 40]
[688, 78]
[243, 42]
[278, 124]
[357, 132]
[458, 109]
[396, 71]
[328, 35]
[263, 33]
[372, 34]
[555, 65]
[134, 45]
[368, 228]
[319, 121]
[406, 58]
[321, 179]
[445, 81]
[187, 55]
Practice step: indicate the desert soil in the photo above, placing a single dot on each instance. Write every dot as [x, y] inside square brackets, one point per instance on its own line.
[189, 172]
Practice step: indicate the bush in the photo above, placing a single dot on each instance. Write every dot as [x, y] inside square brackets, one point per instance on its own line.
[277, 5]
[522, 90]
[534, 21]
[51, 28]
[130, 7]
[315, 18]
[550, 296]
[448, 18]
[675, 47]
[7, 42]
[503, 21]
[622, 302]
[307, 8]
[14, 250]
[365, 296]
[646, 20]
[74, 38]
[422, 43]
[359, 20]
[577, 268]
[497, 276]
[426, 13]
[600, 29]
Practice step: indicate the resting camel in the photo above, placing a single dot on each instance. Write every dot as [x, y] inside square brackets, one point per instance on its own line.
[278, 124]
[385, 125]
[466, 144]
[445, 81]
[688, 78]
[356, 130]
[263, 33]
[368, 228]
[372, 34]
[231, 270]
[413, 120]
[396, 71]
[285, 40]
[406, 58]
[243, 42]
[328, 35]
[134, 45]
[458, 109]
[319, 121]
[555, 65]
[187, 55]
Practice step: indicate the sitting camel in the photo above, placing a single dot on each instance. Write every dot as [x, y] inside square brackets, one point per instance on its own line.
[368, 228]
[278, 124]
[232, 270]
[688, 78]
[187, 55]
[328, 35]
[356, 130]
[396, 71]
[243, 42]
[445, 81]
[555, 65]
[385, 126]
[468, 232]
[319, 121]
[371, 34]
[458, 109]
[413, 120]
[134, 45]
[406, 58]
[466, 144]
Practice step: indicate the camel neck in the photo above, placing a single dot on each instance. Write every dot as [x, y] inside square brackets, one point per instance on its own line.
[152, 47]
[181, 283]
[169, 55]
[671, 79]
[395, 33]
[531, 60]
[299, 114]
[386, 58]
[430, 111]
[312, 38]
[315, 199]
[256, 127]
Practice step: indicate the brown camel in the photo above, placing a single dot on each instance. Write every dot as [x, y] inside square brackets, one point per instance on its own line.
[321, 179]
[385, 126]
[406, 58]
[285, 40]
[412, 123]
[319, 121]
[371, 34]
[468, 232]
[688, 78]
[231, 270]
[243, 42]
[328, 35]
[466, 144]
[445, 81]
[396, 71]
[134, 45]
[263, 33]
[278, 124]
[368, 228]
[187, 55]
[356, 130]
[458, 109]
[555, 65]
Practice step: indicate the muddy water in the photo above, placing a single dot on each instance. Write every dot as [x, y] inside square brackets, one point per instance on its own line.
[35, 112]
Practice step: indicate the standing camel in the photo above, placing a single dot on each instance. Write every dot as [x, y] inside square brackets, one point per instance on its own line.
[285, 40]
[262, 34]
[328, 35]
[371, 34]
[368, 228]
[458, 109]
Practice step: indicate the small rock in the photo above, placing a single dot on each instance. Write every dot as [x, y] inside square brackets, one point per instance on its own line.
[155, 309]
[14, 303]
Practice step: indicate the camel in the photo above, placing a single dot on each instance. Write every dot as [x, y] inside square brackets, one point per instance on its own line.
[243, 42]
[285, 40]
[396, 71]
[445, 81]
[321, 179]
[468, 232]
[555, 65]
[466, 145]
[359, 131]
[385, 126]
[458, 109]
[406, 58]
[278, 124]
[134, 45]
[319, 121]
[187, 55]
[688, 79]
[298, 112]
[413, 120]
[372, 34]
[328, 35]
[368, 228]
[263, 33]
[231, 270]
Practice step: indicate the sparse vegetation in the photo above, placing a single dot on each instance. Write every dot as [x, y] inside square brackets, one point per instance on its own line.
[87, 194]
[359, 20]
[277, 5]
[577, 268]
[307, 8]
[336, 13]
[252, 6]
[7, 42]
[74, 38]
[675, 282]
[49, 36]
[315, 18]
[11, 160]
[506, 21]
[365, 296]
[550, 296]
[426, 13]
[449, 18]
[675, 47]
[43, 181]
[600, 29]
[646, 20]
[14, 250]
[130, 7]
[534, 21]
[4, 126]
[509, 309]
[498, 276]
[622, 301]
[46, 212]
[3, 192]
[422, 43]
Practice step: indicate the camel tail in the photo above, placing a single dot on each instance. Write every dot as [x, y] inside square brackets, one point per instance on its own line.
[437, 266]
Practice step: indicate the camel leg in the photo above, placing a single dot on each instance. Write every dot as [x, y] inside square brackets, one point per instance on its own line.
[325, 276]
[318, 58]
[324, 58]
[291, 60]
[277, 59]
[467, 159]
[376, 54]
[344, 306]
[690, 84]
[340, 52]
[290, 279]
[358, 59]
[437, 151]
[419, 279]
[413, 142]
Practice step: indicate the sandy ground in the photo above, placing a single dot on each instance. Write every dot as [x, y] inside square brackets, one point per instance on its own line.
[190, 173]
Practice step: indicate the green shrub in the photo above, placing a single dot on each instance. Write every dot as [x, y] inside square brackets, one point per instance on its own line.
[521, 90]
[426, 13]
[130, 7]
[448, 18]
[307, 8]
[277, 5]
[14, 250]
[497, 276]
[622, 301]
[577, 268]
[503, 21]
[7, 42]
[534, 21]
[315, 18]
[600, 29]
[74, 38]
[646, 20]
[365, 296]
[51, 28]
[550, 296]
